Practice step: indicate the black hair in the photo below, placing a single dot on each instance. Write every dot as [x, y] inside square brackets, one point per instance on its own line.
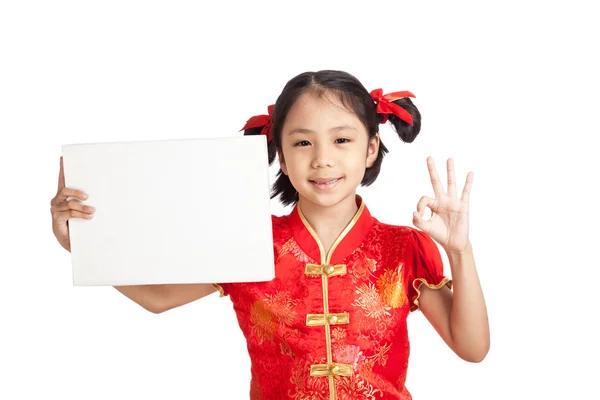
[354, 96]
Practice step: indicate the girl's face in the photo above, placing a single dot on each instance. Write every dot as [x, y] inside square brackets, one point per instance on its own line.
[325, 150]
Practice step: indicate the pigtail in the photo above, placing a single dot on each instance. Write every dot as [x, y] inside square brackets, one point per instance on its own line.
[405, 131]
[263, 125]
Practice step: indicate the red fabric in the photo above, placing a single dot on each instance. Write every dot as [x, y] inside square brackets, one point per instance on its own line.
[262, 120]
[381, 261]
[427, 264]
[385, 105]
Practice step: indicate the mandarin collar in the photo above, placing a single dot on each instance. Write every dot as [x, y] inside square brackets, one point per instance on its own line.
[350, 238]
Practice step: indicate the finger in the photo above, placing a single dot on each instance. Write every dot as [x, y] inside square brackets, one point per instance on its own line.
[451, 178]
[438, 189]
[72, 205]
[466, 193]
[61, 216]
[65, 193]
[61, 177]
[420, 223]
[425, 202]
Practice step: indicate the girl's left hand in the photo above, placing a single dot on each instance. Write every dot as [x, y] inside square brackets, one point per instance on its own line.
[449, 222]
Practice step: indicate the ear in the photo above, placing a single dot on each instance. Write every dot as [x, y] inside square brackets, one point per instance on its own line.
[372, 150]
[282, 162]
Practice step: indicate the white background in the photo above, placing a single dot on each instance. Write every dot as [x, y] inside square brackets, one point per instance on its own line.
[509, 90]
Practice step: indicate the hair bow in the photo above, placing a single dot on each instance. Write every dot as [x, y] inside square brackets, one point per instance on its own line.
[262, 120]
[385, 105]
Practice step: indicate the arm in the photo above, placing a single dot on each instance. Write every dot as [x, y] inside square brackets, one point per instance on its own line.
[160, 298]
[461, 317]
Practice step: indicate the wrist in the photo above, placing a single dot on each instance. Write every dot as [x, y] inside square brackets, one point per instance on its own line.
[459, 254]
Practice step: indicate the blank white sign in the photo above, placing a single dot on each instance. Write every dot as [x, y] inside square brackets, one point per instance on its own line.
[171, 211]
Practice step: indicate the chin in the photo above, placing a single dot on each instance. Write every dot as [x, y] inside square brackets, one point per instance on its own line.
[325, 199]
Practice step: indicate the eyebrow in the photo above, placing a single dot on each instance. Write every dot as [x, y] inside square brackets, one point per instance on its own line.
[335, 129]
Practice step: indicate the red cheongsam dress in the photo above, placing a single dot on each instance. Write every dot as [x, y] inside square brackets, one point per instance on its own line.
[333, 326]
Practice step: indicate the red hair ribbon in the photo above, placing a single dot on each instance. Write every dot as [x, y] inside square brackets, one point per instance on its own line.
[262, 120]
[385, 105]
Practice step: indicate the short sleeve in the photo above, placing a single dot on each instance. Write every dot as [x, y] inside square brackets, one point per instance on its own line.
[425, 266]
[223, 288]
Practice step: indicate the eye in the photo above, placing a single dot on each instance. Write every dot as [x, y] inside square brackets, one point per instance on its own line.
[300, 144]
[344, 140]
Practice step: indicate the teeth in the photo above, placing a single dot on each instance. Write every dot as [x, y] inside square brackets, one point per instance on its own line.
[325, 182]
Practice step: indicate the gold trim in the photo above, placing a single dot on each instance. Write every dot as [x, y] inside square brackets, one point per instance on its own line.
[220, 289]
[331, 370]
[332, 319]
[444, 282]
[331, 270]
[324, 277]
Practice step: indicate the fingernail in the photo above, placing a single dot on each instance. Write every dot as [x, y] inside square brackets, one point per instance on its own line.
[85, 196]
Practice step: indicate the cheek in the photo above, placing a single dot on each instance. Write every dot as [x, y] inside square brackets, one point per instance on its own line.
[357, 157]
[293, 163]
[356, 161]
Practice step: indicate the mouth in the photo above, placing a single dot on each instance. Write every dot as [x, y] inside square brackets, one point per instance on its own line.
[325, 184]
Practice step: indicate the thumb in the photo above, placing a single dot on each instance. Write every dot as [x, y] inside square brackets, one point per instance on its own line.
[61, 176]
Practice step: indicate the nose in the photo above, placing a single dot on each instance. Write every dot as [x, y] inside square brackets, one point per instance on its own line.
[323, 157]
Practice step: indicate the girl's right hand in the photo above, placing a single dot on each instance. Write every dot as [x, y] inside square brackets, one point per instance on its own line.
[62, 210]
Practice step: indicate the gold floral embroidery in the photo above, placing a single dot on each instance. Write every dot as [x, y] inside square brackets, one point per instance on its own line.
[354, 387]
[366, 364]
[366, 368]
[338, 335]
[263, 322]
[370, 301]
[370, 264]
[306, 386]
[266, 315]
[391, 287]
[381, 357]
[286, 350]
[281, 305]
[362, 267]
[284, 346]
[292, 247]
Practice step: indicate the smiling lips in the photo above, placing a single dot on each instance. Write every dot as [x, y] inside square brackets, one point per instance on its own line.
[325, 180]
[325, 183]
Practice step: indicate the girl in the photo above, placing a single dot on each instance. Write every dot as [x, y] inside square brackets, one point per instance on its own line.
[332, 324]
